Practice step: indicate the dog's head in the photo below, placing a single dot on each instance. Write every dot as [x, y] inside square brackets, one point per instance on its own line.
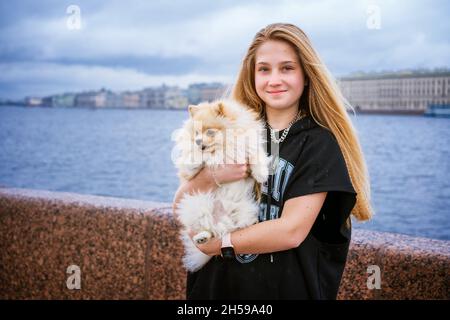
[225, 126]
[208, 124]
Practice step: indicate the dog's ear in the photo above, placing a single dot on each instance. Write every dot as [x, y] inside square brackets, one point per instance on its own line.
[220, 109]
[192, 109]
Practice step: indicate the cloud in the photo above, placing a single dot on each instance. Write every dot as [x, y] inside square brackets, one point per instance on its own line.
[181, 40]
[57, 78]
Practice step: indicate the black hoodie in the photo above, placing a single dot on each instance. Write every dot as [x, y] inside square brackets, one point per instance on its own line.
[310, 161]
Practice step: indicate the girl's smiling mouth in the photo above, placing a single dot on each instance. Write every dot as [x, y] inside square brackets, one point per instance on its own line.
[276, 92]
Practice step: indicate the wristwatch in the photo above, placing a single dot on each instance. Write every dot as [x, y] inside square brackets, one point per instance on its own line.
[227, 247]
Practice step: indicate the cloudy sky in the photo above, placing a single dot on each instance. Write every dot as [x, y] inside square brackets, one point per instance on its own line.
[129, 45]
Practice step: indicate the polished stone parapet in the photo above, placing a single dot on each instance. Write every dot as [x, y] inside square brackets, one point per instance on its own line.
[410, 267]
[130, 249]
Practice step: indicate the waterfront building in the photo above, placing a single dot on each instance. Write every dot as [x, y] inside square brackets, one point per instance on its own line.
[163, 97]
[98, 99]
[399, 92]
[200, 92]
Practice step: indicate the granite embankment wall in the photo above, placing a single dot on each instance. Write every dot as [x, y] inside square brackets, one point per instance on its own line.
[129, 249]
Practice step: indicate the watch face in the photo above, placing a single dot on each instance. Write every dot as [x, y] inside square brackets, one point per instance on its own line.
[228, 253]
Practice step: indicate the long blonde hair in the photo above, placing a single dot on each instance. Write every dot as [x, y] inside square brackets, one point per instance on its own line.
[321, 98]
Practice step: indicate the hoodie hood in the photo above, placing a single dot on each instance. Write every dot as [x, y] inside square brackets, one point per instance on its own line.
[305, 123]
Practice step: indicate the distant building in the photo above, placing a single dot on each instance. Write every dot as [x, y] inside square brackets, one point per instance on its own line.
[64, 100]
[131, 99]
[163, 97]
[33, 101]
[88, 99]
[175, 99]
[98, 99]
[200, 92]
[402, 92]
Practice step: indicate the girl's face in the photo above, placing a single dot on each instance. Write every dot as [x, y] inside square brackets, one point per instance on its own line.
[279, 78]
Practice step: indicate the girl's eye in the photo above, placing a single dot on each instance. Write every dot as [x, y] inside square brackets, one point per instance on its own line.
[288, 68]
[210, 132]
[263, 69]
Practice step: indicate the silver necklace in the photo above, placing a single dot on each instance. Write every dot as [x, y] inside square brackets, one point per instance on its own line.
[285, 131]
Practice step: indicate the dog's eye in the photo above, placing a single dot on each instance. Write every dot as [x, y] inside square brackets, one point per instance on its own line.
[210, 132]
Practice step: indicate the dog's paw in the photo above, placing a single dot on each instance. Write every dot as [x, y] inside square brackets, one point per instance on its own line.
[202, 237]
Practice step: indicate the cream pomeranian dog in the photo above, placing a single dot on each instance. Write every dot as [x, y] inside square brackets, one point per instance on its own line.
[216, 133]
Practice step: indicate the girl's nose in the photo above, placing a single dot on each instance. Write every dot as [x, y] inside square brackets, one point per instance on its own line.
[274, 79]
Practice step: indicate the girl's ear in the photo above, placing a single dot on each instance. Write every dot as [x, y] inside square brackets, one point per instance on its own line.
[192, 110]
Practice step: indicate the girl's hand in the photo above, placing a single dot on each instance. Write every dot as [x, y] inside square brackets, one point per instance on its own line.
[210, 248]
[226, 173]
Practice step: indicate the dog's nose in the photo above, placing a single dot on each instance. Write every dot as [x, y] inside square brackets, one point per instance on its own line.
[198, 141]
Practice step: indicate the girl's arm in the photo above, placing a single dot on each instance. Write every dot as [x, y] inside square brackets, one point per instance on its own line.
[285, 233]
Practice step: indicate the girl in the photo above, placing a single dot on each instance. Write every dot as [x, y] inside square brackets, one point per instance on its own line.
[299, 248]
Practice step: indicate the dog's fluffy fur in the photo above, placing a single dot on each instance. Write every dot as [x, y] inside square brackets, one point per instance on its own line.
[220, 132]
